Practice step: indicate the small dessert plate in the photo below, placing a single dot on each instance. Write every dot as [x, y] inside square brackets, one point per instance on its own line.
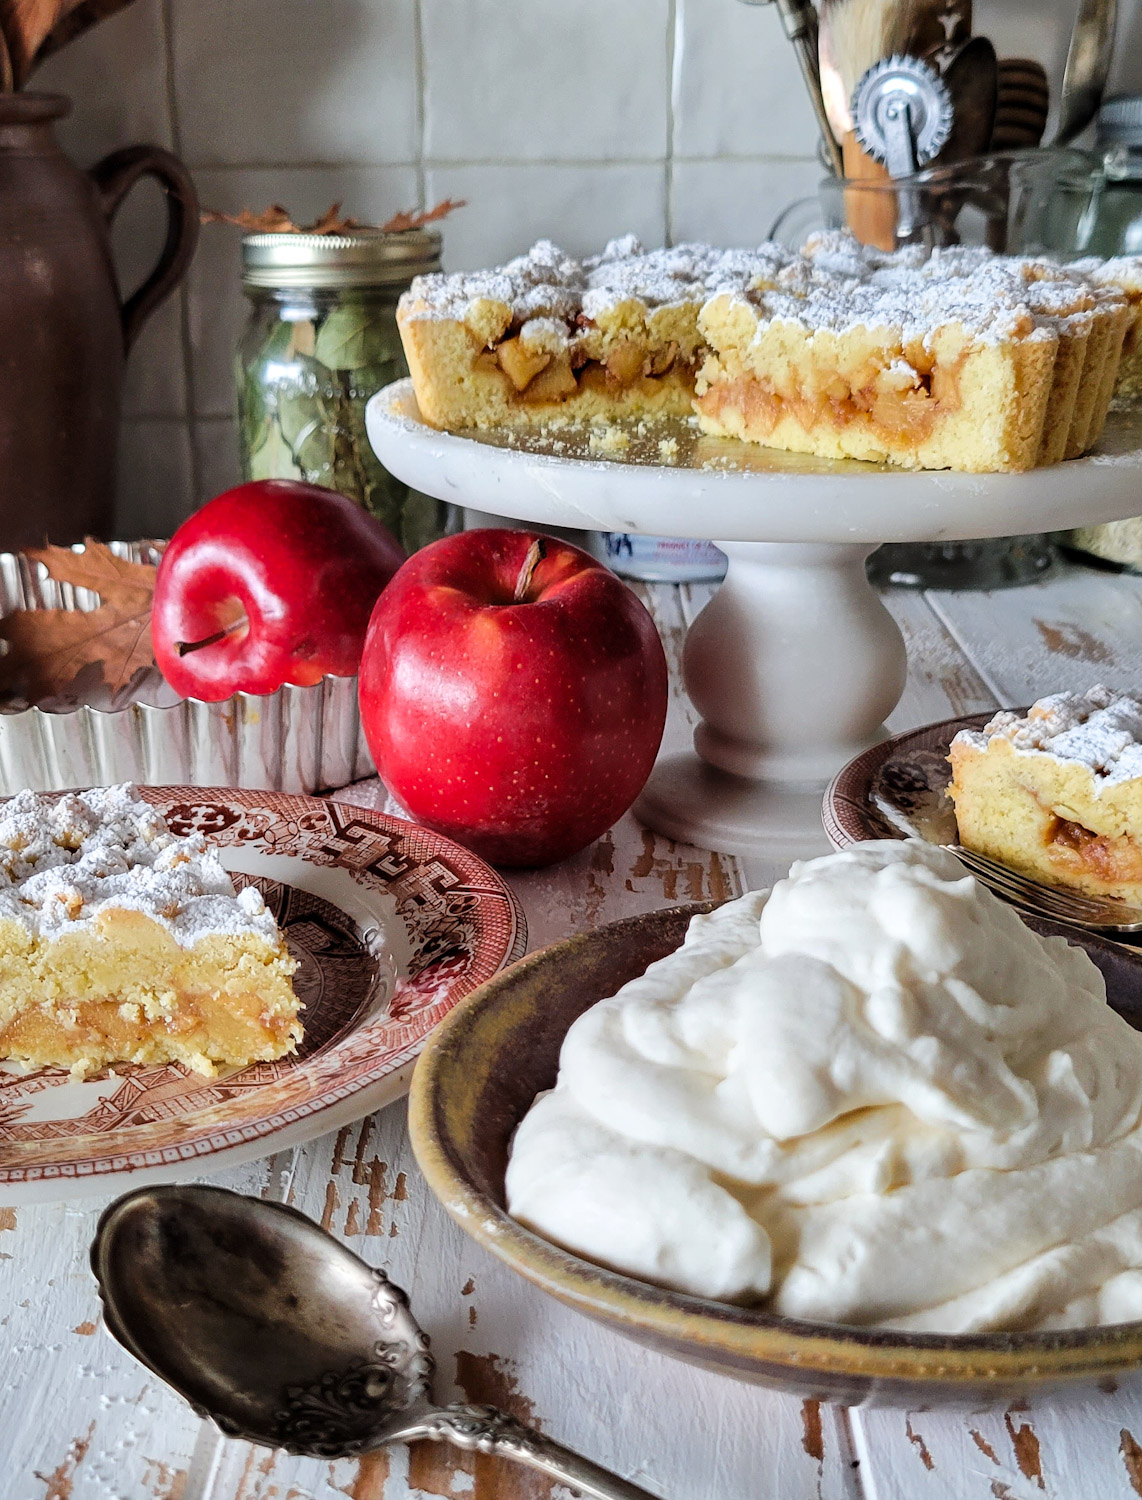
[898, 788]
[392, 926]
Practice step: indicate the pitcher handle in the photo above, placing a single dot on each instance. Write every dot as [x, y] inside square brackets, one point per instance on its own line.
[114, 177]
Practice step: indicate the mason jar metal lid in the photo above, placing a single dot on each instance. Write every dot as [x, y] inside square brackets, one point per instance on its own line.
[1120, 121]
[365, 257]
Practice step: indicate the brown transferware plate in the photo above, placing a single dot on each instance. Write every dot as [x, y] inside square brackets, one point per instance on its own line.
[391, 924]
[488, 1060]
[898, 788]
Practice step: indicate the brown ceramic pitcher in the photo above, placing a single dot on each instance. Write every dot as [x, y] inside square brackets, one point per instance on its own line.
[64, 330]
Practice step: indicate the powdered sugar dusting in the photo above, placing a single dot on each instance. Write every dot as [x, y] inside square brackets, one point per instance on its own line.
[65, 860]
[1100, 729]
[835, 283]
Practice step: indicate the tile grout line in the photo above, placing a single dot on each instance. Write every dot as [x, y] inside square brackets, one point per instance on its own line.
[421, 104]
[427, 162]
[167, 23]
[674, 53]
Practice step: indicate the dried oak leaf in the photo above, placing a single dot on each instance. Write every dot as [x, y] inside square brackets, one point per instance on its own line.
[48, 648]
[272, 220]
[75, 18]
[276, 219]
[331, 222]
[421, 216]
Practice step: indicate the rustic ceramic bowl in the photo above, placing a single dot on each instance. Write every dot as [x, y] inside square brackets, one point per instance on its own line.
[485, 1064]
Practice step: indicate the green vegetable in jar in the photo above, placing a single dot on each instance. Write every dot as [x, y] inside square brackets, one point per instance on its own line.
[307, 364]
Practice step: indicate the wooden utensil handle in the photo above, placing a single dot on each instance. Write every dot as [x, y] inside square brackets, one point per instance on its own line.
[114, 177]
[870, 211]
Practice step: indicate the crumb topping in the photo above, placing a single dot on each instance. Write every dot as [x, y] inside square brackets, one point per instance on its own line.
[1101, 729]
[65, 860]
[835, 283]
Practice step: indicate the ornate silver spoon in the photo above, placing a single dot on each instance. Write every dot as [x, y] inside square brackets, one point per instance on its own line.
[273, 1329]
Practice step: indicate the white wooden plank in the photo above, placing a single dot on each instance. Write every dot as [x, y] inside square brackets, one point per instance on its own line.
[685, 1433]
[79, 1418]
[1073, 630]
[941, 683]
[1065, 1447]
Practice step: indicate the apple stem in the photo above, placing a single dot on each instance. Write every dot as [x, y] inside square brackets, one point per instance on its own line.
[535, 555]
[184, 648]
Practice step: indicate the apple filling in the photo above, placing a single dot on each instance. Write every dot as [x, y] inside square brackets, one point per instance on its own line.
[894, 412]
[1110, 859]
[539, 375]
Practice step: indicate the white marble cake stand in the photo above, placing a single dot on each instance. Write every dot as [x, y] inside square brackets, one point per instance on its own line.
[795, 663]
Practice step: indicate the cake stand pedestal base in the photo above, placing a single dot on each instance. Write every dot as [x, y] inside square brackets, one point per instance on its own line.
[688, 800]
[793, 665]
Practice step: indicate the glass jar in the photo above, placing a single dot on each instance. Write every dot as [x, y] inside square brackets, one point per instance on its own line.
[1110, 218]
[1111, 224]
[321, 338]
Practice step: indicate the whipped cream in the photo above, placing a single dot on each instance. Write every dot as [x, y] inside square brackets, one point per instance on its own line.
[872, 1096]
[65, 860]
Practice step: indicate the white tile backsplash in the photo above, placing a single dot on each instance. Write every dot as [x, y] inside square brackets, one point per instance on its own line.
[574, 119]
[579, 207]
[737, 90]
[116, 76]
[296, 81]
[737, 202]
[156, 478]
[555, 80]
[216, 454]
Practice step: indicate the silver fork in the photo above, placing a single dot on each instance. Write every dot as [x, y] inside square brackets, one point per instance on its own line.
[1095, 913]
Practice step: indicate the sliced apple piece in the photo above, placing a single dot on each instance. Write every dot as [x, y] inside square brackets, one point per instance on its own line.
[521, 365]
[555, 383]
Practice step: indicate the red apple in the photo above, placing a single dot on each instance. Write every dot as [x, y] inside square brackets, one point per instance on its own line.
[513, 693]
[268, 583]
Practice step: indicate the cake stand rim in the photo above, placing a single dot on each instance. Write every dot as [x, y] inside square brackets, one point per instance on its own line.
[922, 505]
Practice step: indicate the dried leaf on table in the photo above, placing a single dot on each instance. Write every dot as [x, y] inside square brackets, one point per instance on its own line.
[49, 648]
[75, 20]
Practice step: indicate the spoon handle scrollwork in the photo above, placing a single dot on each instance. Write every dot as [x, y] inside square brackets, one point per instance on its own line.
[484, 1429]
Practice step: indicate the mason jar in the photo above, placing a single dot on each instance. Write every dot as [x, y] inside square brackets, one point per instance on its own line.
[321, 338]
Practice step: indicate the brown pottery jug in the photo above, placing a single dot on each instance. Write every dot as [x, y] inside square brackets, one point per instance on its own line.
[64, 330]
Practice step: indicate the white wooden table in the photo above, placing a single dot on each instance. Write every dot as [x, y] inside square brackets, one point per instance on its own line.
[79, 1420]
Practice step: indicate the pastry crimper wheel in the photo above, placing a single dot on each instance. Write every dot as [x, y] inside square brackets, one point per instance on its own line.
[902, 117]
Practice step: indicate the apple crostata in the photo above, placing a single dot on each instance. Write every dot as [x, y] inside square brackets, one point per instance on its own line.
[120, 942]
[958, 360]
[1057, 794]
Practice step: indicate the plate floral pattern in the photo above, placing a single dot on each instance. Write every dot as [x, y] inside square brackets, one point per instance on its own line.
[442, 923]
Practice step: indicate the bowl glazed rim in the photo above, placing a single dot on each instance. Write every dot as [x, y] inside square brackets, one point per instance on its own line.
[745, 1337]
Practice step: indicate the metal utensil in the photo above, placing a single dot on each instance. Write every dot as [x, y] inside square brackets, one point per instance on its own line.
[1088, 66]
[800, 21]
[1093, 913]
[972, 80]
[270, 1327]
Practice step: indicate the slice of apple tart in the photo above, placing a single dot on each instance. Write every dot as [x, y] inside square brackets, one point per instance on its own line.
[120, 942]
